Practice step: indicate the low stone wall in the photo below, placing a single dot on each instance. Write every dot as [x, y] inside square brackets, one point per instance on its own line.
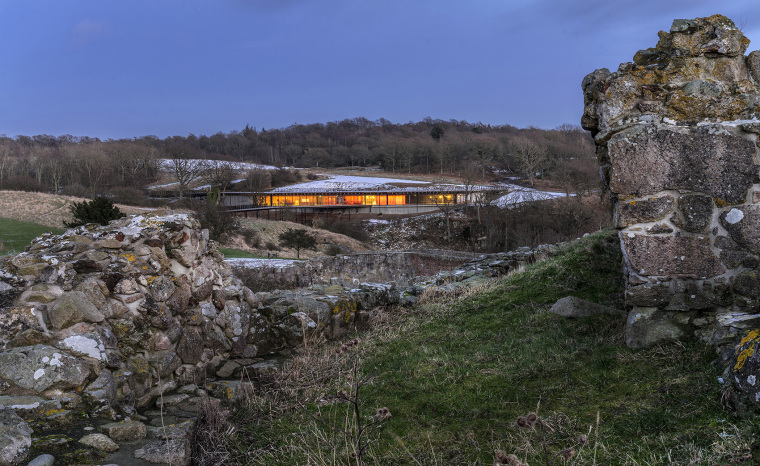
[398, 268]
[677, 141]
[379, 268]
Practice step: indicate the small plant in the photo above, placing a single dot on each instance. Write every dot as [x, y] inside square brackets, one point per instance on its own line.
[540, 427]
[359, 431]
[100, 210]
[333, 250]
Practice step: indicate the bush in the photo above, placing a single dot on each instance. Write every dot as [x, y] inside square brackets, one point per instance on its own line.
[284, 177]
[333, 250]
[220, 222]
[100, 210]
[271, 246]
[352, 230]
[251, 237]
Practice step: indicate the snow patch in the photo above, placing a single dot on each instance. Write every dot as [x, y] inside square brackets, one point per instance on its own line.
[257, 263]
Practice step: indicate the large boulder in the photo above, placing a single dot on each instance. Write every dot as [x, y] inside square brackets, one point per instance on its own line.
[571, 306]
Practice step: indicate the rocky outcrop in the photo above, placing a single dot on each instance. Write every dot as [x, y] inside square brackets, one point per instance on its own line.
[677, 142]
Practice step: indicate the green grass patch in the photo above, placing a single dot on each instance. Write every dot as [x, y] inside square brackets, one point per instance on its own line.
[230, 253]
[16, 235]
[457, 372]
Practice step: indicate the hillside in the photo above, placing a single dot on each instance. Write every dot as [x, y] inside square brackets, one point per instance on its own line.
[267, 234]
[45, 209]
[457, 371]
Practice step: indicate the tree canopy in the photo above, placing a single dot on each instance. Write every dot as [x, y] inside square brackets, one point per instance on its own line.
[297, 238]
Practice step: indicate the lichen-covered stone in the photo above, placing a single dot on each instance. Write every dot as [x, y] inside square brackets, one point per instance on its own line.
[697, 212]
[71, 308]
[743, 223]
[648, 326]
[747, 283]
[15, 438]
[125, 431]
[571, 306]
[41, 367]
[171, 451]
[745, 366]
[647, 159]
[681, 122]
[648, 294]
[672, 256]
[99, 442]
[642, 211]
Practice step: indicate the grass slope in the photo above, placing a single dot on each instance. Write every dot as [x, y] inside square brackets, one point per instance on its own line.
[457, 371]
[16, 235]
[46, 209]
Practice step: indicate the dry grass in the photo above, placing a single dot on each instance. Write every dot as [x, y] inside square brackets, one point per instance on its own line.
[50, 210]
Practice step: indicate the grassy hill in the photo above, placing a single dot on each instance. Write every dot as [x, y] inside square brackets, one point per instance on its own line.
[457, 371]
[50, 210]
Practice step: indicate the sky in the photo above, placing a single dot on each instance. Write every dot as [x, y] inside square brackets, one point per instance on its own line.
[118, 69]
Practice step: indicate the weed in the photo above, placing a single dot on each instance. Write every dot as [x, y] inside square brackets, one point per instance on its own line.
[357, 431]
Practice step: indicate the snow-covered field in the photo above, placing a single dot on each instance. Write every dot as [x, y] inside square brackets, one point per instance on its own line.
[520, 194]
[166, 164]
[348, 183]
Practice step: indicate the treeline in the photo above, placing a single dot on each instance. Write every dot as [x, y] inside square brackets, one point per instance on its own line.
[89, 166]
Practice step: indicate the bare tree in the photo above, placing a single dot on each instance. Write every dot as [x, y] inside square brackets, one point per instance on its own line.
[530, 157]
[219, 174]
[446, 204]
[185, 171]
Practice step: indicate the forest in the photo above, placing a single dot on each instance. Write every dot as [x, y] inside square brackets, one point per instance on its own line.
[86, 166]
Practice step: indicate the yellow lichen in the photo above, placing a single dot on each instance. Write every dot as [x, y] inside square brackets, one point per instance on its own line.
[129, 256]
[743, 354]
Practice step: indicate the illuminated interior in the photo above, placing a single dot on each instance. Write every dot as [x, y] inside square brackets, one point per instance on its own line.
[285, 200]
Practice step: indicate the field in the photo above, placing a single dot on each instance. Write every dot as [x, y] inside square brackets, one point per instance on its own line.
[15, 235]
[457, 371]
[50, 210]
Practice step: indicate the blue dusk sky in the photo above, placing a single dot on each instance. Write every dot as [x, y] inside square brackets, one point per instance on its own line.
[122, 69]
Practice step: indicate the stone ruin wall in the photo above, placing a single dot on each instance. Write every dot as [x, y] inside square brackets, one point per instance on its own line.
[347, 269]
[676, 134]
[401, 269]
[107, 319]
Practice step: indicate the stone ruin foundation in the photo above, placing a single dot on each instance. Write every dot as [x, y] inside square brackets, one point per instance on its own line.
[676, 134]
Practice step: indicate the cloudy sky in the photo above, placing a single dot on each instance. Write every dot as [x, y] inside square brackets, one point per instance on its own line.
[118, 69]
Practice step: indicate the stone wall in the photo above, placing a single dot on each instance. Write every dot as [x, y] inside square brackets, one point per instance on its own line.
[398, 268]
[677, 141]
[376, 268]
[109, 318]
